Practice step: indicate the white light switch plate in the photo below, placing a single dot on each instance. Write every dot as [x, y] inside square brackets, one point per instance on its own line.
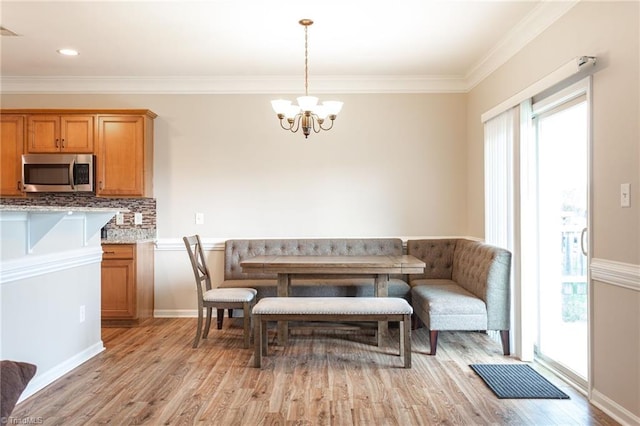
[119, 219]
[137, 218]
[199, 218]
[625, 195]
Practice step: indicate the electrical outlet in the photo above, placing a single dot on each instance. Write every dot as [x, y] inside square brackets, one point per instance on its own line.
[120, 219]
[137, 218]
[625, 195]
[199, 218]
[82, 313]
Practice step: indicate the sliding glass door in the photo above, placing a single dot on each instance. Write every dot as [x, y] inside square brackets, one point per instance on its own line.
[562, 163]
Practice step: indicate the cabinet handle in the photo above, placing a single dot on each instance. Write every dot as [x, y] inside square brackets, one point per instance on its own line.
[109, 252]
[100, 185]
[19, 186]
[57, 143]
[63, 143]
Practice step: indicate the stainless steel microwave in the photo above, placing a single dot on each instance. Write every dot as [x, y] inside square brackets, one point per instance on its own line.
[58, 172]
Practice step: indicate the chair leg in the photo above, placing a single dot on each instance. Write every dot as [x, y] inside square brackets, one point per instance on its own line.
[246, 322]
[220, 317]
[207, 324]
[257, 342]
[433, 340]
[504, 336]
[198, 328]
[405, 340]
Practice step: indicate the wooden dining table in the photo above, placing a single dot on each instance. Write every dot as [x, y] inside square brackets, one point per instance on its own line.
[377, 267]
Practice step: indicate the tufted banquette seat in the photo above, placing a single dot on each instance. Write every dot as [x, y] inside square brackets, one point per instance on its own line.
[465, 286]
[238, 250]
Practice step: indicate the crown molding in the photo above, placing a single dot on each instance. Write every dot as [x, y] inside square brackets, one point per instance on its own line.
[536, 22]
[526, 30]
[228, 84]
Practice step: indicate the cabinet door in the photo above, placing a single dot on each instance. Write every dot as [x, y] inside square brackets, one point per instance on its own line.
[12, 146]
[44, 134]
[76, 133]
[118, 289]
[120, 155]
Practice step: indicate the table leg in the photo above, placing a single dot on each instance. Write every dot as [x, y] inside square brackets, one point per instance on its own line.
[382, 290]
[284, 281]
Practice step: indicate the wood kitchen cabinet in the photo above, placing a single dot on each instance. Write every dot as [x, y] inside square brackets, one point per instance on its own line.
[121, 140]
[127, 284]
[11, 150]
[125, 155]
[49, 133]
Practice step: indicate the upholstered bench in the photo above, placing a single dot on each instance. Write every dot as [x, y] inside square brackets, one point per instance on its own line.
[331, 309]
[465, 286]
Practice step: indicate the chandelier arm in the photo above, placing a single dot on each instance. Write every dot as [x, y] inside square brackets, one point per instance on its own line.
[282, 120]
[296, 123]
[317, 127]
[327, 128]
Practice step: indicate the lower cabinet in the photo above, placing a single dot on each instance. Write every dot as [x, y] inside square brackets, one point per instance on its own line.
[127, 283]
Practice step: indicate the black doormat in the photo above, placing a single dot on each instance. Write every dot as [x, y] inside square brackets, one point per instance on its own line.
[517, 381]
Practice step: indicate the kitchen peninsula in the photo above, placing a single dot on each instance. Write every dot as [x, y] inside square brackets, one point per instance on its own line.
[50, 287]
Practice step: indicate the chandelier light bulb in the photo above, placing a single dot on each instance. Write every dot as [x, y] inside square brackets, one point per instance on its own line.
[280, 105]
[321, 112]
[333, 107]
[307, 103]
[291, 111]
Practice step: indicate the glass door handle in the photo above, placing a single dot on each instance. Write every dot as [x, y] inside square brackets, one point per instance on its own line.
[582, 245]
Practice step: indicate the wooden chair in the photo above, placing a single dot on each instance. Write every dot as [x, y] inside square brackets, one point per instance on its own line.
[219, 298]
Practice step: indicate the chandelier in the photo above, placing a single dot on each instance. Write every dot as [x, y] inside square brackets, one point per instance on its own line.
[308, 114]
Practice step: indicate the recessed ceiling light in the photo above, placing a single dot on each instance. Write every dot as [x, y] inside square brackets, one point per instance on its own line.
[68, 52]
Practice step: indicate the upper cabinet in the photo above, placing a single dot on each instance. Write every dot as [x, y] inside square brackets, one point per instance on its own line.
[60, 133]
[121, 140]
[11, 149]
[125, 155]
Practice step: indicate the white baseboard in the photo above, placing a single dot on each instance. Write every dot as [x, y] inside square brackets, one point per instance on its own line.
[44, 379]
[618, 413]
[186, 313]
[175, 313]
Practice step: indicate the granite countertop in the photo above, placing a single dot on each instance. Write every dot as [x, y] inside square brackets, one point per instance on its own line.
[11, 208]
[127, 240]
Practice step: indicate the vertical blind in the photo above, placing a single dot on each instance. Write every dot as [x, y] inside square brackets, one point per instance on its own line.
[500, 133]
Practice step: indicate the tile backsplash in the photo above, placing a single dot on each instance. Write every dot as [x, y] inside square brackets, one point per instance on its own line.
[128, 230]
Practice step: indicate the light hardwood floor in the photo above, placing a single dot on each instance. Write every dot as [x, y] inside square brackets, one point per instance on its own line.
[151, 375]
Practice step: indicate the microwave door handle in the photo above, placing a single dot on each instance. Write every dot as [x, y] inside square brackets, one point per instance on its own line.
[71, 167]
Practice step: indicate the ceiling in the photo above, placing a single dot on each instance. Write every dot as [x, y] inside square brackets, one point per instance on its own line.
[258, 46]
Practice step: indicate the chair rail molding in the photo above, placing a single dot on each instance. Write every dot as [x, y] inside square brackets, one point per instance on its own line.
[619, 274]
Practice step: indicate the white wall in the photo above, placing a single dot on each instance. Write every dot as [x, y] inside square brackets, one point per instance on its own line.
[610, 31]
[393, 165]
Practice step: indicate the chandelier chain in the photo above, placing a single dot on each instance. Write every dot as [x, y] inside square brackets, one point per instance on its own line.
[306, 61]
